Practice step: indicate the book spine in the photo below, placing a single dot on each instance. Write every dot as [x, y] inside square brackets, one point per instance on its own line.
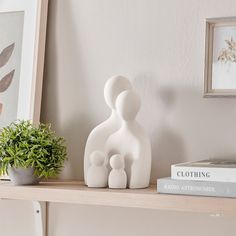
[201, 188]
[203, 173]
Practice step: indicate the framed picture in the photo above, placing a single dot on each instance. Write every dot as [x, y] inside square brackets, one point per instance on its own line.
[22, 46]
[220, 57]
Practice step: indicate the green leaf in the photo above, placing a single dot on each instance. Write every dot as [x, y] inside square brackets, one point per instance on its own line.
[24, 145]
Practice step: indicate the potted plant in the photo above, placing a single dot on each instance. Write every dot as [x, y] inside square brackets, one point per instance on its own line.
[29, 153]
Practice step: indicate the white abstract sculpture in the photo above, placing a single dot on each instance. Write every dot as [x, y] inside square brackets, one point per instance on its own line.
[117, 177]
[99, 135]
[121, 139]
[97, 172]
[131, 141]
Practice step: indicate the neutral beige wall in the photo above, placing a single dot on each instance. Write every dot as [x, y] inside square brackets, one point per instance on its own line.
[159, 45]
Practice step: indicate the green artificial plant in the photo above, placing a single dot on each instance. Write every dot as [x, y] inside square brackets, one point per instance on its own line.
[23, 145]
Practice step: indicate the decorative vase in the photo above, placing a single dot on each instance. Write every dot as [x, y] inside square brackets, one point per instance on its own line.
[23, 176]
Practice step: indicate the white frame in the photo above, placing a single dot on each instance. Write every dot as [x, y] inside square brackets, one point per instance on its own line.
[210, 24]
[32, 58]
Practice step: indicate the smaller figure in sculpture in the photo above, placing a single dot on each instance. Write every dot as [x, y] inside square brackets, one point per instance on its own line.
[97, 174]
[117, 177]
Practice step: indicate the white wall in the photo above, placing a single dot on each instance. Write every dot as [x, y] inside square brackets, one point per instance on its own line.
[159, 45]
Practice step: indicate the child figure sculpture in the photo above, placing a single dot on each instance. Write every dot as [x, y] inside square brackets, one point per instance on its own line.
[117, 177]
[97, 172]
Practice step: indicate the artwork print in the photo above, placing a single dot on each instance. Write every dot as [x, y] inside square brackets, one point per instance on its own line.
[11, 35]
[224, 58]
[220, 57]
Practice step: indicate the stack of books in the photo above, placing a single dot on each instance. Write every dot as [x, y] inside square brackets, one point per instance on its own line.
[206, 178]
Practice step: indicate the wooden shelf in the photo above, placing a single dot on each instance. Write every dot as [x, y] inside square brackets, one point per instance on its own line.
[75, 192]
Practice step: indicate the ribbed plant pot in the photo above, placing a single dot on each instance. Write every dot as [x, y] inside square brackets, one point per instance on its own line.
[23, 176]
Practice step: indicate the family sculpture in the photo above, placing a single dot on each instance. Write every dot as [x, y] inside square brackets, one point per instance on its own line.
[118, 151]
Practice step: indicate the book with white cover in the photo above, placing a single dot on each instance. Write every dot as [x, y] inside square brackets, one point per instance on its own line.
[205, 170]
[191, 187]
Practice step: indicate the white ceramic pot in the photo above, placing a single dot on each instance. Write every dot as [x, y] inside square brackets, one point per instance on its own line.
[23, 176]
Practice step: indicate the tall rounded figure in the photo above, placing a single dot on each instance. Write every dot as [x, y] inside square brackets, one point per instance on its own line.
[98, 137]
[131, 141]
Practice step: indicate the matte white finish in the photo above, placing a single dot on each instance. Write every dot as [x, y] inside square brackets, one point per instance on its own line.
[113, 87]
[40, 217]
[97, 174]
[125, 136]
[117, 177]
[99, 135]
[131, 141]
[128, 105]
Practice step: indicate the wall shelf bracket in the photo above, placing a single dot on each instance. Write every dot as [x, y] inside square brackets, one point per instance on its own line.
[40, 217]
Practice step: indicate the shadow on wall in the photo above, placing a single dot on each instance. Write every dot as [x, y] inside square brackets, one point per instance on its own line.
[50, 82]
[167, 144]
[65, 90]
[168, 148]
[192, 128]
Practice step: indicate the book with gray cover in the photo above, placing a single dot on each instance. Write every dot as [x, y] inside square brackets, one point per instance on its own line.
[205, 170]
[201, 188]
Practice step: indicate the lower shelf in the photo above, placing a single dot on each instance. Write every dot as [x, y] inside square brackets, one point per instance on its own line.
[76, 192]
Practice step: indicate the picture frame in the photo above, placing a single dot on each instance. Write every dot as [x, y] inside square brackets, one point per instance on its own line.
[23, 24]
[220, 57]
[22, 48]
